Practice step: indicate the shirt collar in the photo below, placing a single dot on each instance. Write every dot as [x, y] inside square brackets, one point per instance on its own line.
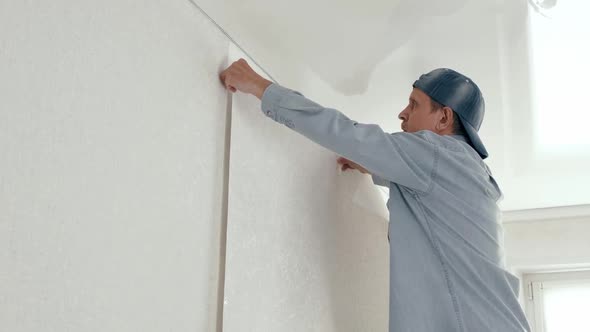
[459, 137]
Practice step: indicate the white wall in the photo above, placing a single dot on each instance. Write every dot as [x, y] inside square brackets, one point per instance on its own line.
[305, 253]
[548, 244]
[111, 155]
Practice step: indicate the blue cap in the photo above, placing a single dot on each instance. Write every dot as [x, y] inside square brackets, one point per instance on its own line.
[462, 95]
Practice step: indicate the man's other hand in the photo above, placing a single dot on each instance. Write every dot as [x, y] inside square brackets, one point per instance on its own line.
[346, 164]
[241, 77]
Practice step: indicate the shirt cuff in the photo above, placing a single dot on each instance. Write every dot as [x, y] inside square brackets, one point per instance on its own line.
[271, 98]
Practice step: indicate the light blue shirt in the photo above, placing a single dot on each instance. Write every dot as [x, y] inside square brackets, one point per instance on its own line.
[446, 261]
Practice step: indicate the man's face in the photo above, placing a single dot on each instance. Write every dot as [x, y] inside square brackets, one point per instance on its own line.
[418, 115]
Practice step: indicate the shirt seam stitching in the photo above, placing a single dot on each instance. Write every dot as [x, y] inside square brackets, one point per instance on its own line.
[438, 251]
[433, 172]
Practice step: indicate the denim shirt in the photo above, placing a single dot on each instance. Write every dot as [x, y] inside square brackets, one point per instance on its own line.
[446, 262]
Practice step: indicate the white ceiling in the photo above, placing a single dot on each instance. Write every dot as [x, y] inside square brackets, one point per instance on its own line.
[362, 57]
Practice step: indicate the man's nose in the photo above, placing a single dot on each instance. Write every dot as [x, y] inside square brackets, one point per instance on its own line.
[403, 115]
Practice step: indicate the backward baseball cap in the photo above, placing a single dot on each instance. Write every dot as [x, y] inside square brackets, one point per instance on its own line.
[462, 95]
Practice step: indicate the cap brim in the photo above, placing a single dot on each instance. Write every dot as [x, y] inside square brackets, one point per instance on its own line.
[474, 139]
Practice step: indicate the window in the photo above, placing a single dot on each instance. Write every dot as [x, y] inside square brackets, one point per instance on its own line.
[558, 302]
[560, 70]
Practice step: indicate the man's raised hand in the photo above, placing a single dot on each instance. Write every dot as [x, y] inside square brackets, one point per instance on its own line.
[239, 76]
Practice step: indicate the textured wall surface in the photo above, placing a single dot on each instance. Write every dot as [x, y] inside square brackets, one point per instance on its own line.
[303, 254]
[111, 153]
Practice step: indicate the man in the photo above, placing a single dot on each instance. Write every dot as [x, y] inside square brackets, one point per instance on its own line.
[446, 261]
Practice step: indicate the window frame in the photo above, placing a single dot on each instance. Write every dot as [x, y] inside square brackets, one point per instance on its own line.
[534, 284]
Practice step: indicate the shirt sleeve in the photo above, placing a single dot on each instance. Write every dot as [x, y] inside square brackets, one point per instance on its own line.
[407, 159]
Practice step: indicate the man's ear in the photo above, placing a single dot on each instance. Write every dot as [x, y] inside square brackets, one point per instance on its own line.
[446, 120]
